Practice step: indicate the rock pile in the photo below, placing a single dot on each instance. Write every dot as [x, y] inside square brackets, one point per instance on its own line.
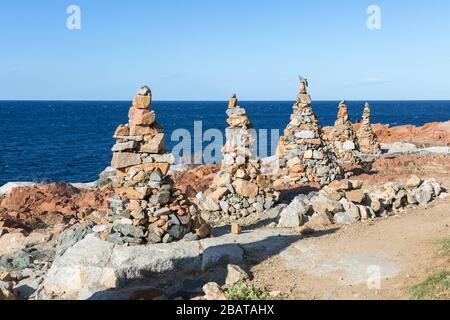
[146, 207]
[345, 202]
[342, 138]
[239, 189]
[303, 155]
[6, 287]
[367, 139]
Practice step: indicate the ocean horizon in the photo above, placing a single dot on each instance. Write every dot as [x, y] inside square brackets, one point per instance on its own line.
[71, 140]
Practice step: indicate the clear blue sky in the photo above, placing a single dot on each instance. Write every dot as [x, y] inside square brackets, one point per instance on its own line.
[205, 49]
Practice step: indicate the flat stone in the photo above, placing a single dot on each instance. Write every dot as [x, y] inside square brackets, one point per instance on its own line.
[245, 188]
[356, 196]
[349, 145]
[219, 193]
[155, 145]
[125, 146]
[129, 230]
[123, 160]
[305, 135]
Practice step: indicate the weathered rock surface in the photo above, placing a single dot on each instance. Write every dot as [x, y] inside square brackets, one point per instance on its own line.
[93, 266]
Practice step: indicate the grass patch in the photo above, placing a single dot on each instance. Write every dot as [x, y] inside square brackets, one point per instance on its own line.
[435, 287]
[243, 292]
[444, 245]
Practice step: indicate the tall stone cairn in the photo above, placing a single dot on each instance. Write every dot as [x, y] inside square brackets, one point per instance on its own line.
[146, 208]
[303, 155]
[239, 189]
[343, 142]
[367, 138]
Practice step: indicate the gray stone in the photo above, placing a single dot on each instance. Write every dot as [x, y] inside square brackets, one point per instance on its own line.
[321, 204]
[224, 206]
[162, 212]
[144, 91]
[115, 238]
[154, 237]
[129, 230]
[343, 218]
[305, 135]
[191, 237]
[116, 203]
[156, 176]
[235, 274]
[130, 138]
[160, 198]
[207, 203]
[348, 145]
[71, 236]
[125, 146]
[423, 195]
[177, 232]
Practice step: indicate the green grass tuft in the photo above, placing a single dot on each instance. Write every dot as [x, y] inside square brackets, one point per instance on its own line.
[436, 286]
[243, 292]
[444, 245]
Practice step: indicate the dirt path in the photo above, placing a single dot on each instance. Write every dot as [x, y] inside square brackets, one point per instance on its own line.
[338, 265]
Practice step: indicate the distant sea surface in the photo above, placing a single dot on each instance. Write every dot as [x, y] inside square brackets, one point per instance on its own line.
[70, 141]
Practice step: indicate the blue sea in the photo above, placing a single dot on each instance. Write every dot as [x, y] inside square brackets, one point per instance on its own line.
[70, 141]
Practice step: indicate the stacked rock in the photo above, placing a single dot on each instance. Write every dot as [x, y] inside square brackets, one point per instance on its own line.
[346, 202]
[367, 139]
[146, 208]
[239, 189]
[303, 155]
[343, 141]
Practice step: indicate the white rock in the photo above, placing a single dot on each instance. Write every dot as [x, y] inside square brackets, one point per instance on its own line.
[348, 145]
[6, 188]
[235, 274]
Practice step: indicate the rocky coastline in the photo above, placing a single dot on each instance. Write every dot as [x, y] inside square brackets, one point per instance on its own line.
[55, 239]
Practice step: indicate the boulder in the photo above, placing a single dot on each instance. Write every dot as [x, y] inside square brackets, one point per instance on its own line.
[71, 236]
[245, 188]
[206, 203]
[213, 292]
[293, 215]
[343, 218]
[412, 182]
[321, 204]
[423, 195]
[356, 196]
[235, 274]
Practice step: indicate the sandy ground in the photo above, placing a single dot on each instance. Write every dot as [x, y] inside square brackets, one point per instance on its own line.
[342, 263]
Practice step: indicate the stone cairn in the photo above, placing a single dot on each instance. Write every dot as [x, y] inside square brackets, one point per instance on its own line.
[343, 141]
[348, 201]
[367, 139]
[239, 189]
[302, 154]
[146, 208]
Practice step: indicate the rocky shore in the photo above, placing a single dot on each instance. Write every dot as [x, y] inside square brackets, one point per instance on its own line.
[109, 240]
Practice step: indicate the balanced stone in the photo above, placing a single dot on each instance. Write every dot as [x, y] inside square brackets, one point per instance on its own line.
[146, 194]
[342, 139]
[367, 138]
[303, 155]
[240, 180]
